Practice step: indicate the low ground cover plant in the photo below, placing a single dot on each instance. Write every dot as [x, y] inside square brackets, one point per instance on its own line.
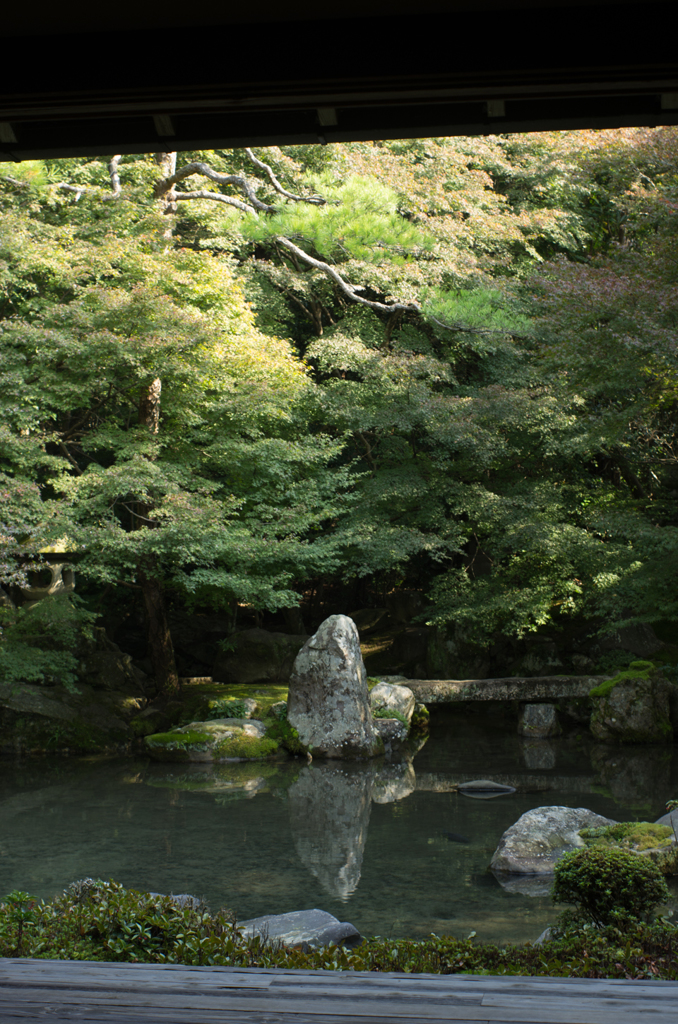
[95, 920]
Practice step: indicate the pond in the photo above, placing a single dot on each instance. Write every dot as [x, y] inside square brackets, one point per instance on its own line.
[393, 849]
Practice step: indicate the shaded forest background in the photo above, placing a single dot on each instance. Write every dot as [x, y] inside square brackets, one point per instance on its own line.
[269, 386]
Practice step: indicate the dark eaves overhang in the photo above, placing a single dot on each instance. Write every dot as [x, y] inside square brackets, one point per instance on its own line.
[76, 81]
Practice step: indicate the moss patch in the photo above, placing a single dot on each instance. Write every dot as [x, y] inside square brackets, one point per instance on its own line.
[629, 835]
[251, 747]
[636, 670]
[287, 736]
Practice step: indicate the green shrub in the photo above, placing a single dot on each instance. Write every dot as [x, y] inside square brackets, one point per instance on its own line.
[95, 920]
[608, 886]
[228, 707]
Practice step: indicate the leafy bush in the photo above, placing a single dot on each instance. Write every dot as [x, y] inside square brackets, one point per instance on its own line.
[95, 920]
[608, 886]
[39, 642]
[228, 707]
[279, 710]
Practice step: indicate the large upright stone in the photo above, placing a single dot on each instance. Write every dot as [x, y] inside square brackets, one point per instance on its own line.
[328, 701]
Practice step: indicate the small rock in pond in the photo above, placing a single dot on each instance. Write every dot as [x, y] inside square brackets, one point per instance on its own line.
[484, 789]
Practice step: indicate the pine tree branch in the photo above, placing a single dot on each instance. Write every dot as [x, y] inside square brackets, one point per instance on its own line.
[315, 200]
[217, 197]
[467, 329]
[351, 291]
[166, 185]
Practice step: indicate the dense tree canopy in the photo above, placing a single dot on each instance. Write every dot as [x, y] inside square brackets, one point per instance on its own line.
[448, 364]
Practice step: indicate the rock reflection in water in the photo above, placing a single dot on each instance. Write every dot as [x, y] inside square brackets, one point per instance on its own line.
[526, 885]
[634, 776]
[329, 807]
[538, 754]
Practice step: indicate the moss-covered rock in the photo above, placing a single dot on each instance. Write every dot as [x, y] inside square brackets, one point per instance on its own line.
[213, 741]
[632, 707]
[655, 842]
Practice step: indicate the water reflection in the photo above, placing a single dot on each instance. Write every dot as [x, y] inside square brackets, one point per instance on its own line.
[329, 809]
[270, 838]
[634, 776]
[538, 754]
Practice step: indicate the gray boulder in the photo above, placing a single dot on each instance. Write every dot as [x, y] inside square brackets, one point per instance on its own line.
[634, 711]
[540, 837]
[671, 819]
[302, 928]
[328, 702]
[639, 639]
[538, 721]
[393, 697]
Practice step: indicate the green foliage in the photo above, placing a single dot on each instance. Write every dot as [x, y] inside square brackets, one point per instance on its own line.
[227, 707]
[287, 736]
[103, 921]
[384, 712]
[39, 643]
[420, 718]
[518, 464]
[279, 710]
[608, 886]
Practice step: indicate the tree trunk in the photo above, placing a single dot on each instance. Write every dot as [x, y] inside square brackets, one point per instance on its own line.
[160, 643]
[159, 636]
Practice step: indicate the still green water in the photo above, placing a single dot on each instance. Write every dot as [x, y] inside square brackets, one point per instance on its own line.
[364, 842]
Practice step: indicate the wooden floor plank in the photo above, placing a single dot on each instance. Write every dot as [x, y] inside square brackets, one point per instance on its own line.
[73, 992]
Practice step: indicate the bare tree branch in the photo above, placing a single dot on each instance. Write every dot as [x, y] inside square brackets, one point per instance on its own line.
[350, 290]
[165, 185]
[315, 200]
[113, 165]
[217, 197]
[78, 189]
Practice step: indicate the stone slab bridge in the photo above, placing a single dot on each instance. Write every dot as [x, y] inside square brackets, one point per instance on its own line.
[527, 690]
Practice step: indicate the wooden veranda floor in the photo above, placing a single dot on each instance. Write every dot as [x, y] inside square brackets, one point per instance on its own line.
[59, 991]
